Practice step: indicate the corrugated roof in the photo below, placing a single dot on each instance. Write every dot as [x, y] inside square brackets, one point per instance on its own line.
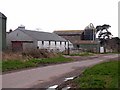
[85, 42]
[68, 31]
[42, 36]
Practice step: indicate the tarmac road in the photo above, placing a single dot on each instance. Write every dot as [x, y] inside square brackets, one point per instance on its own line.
[41, 75]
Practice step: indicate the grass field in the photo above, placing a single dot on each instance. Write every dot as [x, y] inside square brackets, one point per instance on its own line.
[0, 66]
[83, 54]
[103, 75]
[18, 64]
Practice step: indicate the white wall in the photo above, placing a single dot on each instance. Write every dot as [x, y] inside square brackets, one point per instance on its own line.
[62, 46]
[52, 45]
[40, 44]
[58, 45]
[46, 45]
[70, 45]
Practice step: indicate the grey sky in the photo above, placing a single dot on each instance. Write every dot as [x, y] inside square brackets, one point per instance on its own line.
[50, 15]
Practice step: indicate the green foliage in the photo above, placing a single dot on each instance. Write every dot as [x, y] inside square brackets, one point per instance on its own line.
[82, 54]
[18, 64]
[51, 60]
[103, 75]
[0, 66]
[15, 64]
[111, 53]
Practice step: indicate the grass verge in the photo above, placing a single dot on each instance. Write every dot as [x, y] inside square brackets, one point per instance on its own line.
[18, 64]
[103, 75]
[82, 54]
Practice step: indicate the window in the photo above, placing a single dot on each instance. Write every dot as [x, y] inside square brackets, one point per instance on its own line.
[49, 42]
[42, 42]
[55, 42]
[78, 46]
[60, 43]
[65, 43]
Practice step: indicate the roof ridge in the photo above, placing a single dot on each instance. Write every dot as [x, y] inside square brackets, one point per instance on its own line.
[68, 30]
[37, 31]
[36, 35]
[28, 34]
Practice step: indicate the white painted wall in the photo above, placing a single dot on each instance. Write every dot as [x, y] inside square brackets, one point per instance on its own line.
[46, 45]
[52, 45]
[58, 45]
[70, 45]
[40, 44]
[62, 46]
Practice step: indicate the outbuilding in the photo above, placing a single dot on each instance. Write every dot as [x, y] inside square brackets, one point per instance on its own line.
[3, 19]
[22, 40]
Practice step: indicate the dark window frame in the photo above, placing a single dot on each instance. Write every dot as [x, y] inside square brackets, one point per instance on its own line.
[60, 42]
[49, 43]
[42, 42]
[65, 43]
[55, 42]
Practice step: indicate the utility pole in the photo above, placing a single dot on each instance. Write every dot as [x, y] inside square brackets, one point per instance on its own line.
[68, 48]
[94, 34]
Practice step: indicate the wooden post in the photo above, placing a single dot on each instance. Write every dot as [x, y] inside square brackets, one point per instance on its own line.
[68, 48]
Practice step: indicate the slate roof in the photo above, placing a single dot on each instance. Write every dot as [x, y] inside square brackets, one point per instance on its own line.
[60, 32]
[85, 42]
[42, 36]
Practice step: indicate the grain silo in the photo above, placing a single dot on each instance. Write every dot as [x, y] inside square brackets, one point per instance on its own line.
[3, 19]
[89, 33]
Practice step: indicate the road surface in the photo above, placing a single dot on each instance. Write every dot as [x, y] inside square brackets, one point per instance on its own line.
[37, 76]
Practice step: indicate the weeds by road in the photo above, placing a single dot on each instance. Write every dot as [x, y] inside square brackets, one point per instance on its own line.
[82, 54]
[103, 75]
[19, 64]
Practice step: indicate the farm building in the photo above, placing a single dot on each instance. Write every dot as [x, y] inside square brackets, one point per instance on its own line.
[87, 45]
[113, 44]
[3, 19]
[22, 39]
[71, 35]
[81, 39]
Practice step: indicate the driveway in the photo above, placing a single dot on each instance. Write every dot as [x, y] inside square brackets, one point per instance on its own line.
[41, 75]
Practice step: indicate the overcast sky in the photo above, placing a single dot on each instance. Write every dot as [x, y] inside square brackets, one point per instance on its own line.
[50, 15]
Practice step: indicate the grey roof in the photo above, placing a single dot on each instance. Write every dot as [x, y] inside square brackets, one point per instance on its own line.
[42, 36]
[60, 32]
[2, 15]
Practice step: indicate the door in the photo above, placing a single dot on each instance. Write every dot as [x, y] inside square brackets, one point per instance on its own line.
[17, 46]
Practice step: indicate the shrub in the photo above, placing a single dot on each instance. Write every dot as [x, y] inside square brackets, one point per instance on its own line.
[26, 55]
[40, 53]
